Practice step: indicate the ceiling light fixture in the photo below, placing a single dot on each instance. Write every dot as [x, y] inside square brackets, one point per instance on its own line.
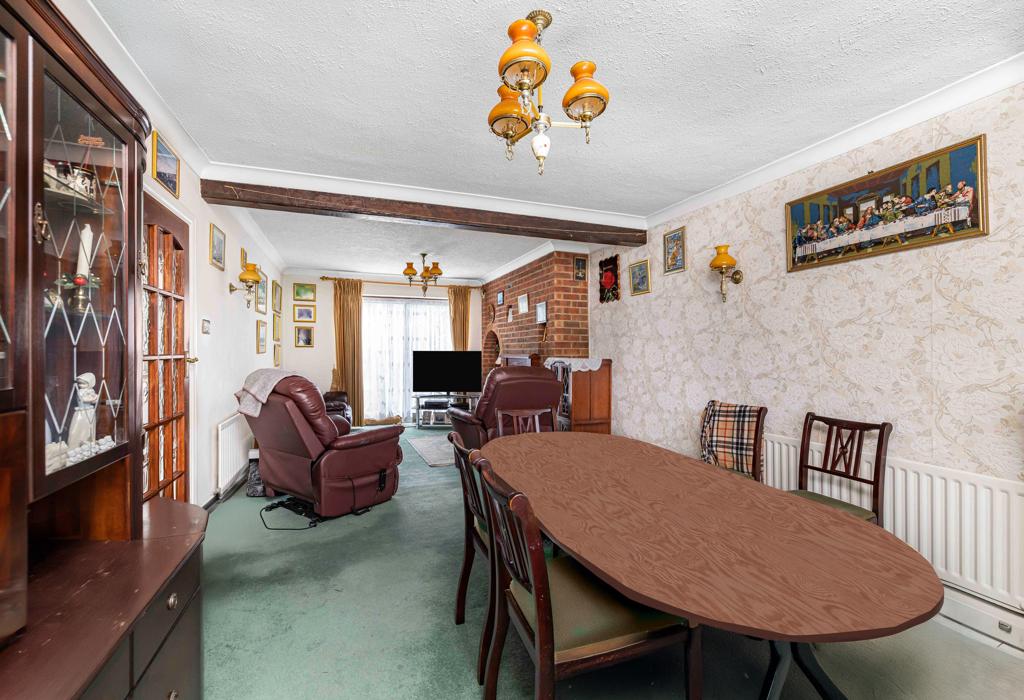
[523, 68]
[429, 273]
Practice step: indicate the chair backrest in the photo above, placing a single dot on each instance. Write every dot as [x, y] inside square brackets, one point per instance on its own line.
[516, 388]
[524, 420]
[732, 437]
[516, 537]
[472, 495]
[843, 455]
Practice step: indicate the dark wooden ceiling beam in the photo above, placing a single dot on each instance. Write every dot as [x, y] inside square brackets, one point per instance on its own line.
[240, 194]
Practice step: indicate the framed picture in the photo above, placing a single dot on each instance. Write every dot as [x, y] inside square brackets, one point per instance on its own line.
[166, 165]
[244, 257]
[304, 336]
[579, 269]
[542, 312]
[304, 313]
[608, 279]
[501, 297]
[277, 355]
[218, 244]
[261, 337]
[303, 291]
[275, 328]
[261, 294]
[640, 278]
[673, 246]
[276, 296]
[938, 197]
[524, 303]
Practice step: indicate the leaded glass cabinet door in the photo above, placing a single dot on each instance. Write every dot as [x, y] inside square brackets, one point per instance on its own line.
[12, 341]
[82, 260]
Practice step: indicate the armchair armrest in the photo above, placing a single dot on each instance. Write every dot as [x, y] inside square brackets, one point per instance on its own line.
[344, 427]
[366, 437]
[470, 428]
[463, 415]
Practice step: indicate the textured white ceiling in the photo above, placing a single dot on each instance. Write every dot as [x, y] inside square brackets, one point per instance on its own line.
[379, 247]
[398, 92]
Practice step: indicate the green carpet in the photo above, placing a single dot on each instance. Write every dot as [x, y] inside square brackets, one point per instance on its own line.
[363, 607]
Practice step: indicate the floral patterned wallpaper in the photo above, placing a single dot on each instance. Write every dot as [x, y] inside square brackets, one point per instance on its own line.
[929, 339]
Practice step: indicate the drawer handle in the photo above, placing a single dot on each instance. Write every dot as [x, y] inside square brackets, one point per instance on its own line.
[173, 695]
[172, 604]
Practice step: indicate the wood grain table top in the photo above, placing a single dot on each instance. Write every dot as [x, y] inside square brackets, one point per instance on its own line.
[693, 540]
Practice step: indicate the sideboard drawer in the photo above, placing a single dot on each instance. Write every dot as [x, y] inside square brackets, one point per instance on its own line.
[159, 617]
[177, 671]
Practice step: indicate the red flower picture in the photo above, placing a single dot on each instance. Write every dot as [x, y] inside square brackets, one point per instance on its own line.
[608, 279]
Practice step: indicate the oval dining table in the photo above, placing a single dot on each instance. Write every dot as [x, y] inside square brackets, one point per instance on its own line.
[719, 550]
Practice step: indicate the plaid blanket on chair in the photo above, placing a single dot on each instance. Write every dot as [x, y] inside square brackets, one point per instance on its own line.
[727, 435]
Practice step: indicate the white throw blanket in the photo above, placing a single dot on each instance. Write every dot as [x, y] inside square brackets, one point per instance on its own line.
[257, 388]
[577, 364]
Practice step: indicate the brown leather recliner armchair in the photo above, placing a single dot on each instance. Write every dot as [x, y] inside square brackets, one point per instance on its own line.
[337, 404]
[507, 388]
[305, 452]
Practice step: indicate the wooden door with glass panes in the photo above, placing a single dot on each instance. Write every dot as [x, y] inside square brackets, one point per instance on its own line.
[165, 360]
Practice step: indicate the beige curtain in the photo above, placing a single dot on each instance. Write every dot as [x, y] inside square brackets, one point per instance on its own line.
[458, 306]
[348, 344]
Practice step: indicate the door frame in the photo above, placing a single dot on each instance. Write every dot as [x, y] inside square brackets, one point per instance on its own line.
[156, 191]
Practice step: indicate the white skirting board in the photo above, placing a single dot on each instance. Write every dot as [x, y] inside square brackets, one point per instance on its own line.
[969, 526]
[234, 439]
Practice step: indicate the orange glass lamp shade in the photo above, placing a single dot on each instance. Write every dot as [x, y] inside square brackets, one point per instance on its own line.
[435, 269]
[507, 118]
[250, 275]
[409, 271]
[722, 260]
[586, 98]
[525, 64]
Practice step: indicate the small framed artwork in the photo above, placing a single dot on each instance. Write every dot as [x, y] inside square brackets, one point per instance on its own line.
[640, 278]
[277, 355]
[276, 296]
[243, 257]
[166, 165]
[501, 297]
[673, 245]
[276, 328]
[579, 269]
[608, 279]
[261, 294]
[304, 313]
[304, 336]
[303, 291]
[524, 303]
[261, 337]
[542, 312]
[218, 243]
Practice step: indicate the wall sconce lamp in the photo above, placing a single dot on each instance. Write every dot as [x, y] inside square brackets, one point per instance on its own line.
[249, 277]
[725, 265]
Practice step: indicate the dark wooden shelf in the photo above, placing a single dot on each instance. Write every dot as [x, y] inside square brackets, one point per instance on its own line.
[85, 597]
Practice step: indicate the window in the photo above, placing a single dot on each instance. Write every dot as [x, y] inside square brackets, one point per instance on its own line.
[392, 329]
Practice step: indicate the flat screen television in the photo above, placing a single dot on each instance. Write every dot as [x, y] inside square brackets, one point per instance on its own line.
[443, 371]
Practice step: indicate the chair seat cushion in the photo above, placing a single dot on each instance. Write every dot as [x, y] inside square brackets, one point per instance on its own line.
[589, 617]
[856, 511]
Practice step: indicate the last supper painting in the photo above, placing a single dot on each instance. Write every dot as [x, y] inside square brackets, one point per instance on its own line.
[933, 198]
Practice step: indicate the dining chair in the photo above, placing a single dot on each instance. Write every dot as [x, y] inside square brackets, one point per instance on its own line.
[843, 458]
[476, 540]
[524, 420]
[569, 621]
[732, 437]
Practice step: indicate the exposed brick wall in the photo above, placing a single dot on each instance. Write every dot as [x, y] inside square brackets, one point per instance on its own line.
[547, 279]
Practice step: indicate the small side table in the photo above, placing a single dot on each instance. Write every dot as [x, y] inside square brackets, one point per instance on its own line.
[423, 409]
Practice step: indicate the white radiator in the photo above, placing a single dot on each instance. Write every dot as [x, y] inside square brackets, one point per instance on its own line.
[969, 526]
[234, 439]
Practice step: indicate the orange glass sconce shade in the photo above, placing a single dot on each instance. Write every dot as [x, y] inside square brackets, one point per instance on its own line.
[409, 271]
[249, 277]
[507, 118]
[586, 98]
[525, 64]
[725, 265]
[435, 269]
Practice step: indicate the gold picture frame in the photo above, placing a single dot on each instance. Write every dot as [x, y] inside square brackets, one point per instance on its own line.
[243, 257]
[937, 197]
[300, 315]
[277, 354]
[261, 294]
[304, 291]
[164, 160]
[305, 336]
[218, 247]
[276, 296]
[261, 336]
[673, 251]
[275, 334]
[640, 277]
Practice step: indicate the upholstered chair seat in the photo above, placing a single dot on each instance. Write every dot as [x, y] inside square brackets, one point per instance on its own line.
[855, 511]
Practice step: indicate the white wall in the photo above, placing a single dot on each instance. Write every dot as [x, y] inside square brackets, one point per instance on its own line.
[317, 362]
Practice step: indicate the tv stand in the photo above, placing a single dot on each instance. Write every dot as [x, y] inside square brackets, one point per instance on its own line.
[434, 406]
